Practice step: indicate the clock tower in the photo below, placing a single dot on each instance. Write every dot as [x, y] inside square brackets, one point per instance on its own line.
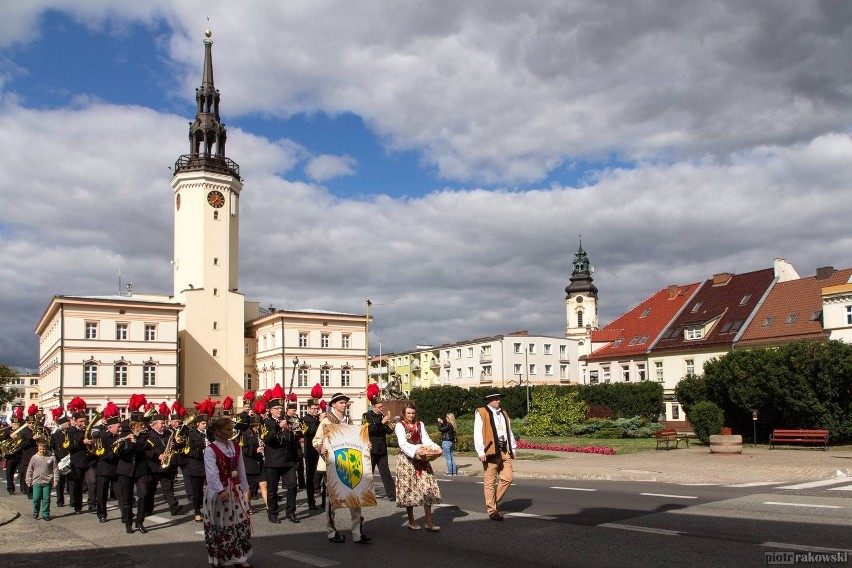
[207, 188]
[581, 301]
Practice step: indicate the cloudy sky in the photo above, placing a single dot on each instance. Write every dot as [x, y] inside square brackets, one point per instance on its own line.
[439, 158]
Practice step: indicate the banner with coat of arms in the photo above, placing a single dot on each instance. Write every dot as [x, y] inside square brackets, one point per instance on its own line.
[349, 471]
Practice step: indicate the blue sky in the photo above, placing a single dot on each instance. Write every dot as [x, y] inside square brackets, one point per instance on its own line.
[440, 160]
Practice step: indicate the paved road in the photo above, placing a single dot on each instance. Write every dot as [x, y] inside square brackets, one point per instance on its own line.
[549, 523]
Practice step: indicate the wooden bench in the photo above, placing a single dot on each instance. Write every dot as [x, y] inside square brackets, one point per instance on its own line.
[670, 436]
[799, 437]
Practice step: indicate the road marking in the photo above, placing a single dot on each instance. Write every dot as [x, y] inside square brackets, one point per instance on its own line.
[698, 484]
[846, 488]
[754, 484]
[307, 558]
[157, 520]
[802, 505]
[574, 488]
[803, 547]
[200, 532]
[640, 529]
[441, 506]
[529, 516]
[670, 496]
[812, 484]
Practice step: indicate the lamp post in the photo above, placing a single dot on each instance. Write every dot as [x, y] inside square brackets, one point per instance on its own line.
[527, 372]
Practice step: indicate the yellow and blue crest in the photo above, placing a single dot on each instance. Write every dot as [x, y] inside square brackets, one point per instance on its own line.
[349, 465]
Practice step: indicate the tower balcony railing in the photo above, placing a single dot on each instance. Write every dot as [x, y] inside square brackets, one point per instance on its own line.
[195, 162]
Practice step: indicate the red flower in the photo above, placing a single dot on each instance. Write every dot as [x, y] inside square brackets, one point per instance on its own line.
[522, 445]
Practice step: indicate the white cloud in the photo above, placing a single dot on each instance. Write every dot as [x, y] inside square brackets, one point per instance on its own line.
[326, 167]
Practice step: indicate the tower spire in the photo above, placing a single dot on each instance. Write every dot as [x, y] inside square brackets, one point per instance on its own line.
[207, 134]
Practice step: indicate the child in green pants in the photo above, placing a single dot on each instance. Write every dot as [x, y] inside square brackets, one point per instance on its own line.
[42, 475]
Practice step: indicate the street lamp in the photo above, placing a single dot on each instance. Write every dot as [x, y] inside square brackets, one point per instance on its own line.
[527, 371]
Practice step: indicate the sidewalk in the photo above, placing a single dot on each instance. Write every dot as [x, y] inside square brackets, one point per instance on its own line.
[682, 465]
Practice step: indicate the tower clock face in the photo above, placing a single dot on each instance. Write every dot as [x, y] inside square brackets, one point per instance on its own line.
[216, 199]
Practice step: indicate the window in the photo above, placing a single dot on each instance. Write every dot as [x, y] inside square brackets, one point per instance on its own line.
[470, 352]
[792, 318]
[533, 369]
[214, 389]
[346, 339]
[345, 377]
[767, 322]
[606, 374]
[324, 340]
[745, 299]
[517, 347]
[150, 332]
[215, 262]
[640, 371]
[486, 370]
[90, 375]
[149, 375]
[215, 215]
[91, 330]
[247, 382]
[548, 370]
[548, 349]
[121, 331]
[216, 326]
[34, 382]
[246, 349]
[458, 353]
[697, 307]
[727, 327]
[563, 352]
[532, 349]
[690, 366]
[618, 342]
[735, 327]
[215, 291]
[848, 315]
[580, 318]
[645, 313]
[563, 371]
[818, 314]
[635, 340]
[215, 352]
[324, 374]
[625, 373]
[458, 373]
[470, 372]
[34, 395]
[658, 370]
[121, 375]
[303, 377]
[518, 369]
[693, 333]
[303, 339]
[675, 412]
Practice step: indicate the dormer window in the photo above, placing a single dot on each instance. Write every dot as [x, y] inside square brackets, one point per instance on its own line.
[691, 334]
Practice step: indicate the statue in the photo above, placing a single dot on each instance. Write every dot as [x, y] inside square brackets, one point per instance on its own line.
[394, 389]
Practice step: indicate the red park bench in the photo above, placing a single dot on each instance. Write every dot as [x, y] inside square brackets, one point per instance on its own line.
[799, 437]
[670, 436]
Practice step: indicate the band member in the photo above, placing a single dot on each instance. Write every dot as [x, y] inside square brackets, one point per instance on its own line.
[13, 459]
[280, 458]
[292, 415]
[179, 459]
[107, 466]
[157, 437]
[132, 471]
[253, 459]
[311, 422]
[82, 463]
[60, 445]
[337, 415]
[378, 430]
[196, 442]
[495, 446]
[28, 448]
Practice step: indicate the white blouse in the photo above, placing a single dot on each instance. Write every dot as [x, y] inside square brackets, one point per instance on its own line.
[407, 447]
[214, 484]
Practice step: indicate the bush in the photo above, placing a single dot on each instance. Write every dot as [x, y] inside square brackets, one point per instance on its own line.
[636, 427]
[553, 414]
[599, 411]
[706, 419]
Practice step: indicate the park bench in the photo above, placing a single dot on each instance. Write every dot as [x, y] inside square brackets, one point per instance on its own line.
[799, 437]
[670, 436]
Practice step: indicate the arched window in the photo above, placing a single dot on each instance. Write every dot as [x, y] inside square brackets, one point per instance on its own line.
[579, 318]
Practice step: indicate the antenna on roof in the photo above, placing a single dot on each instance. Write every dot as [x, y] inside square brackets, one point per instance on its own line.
[119, 281]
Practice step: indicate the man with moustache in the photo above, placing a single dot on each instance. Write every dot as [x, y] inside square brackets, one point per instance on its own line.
[280, 459]
[156, 439]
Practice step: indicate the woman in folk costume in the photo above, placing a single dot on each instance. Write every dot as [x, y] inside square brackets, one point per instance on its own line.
[415, 480]
[227, 528]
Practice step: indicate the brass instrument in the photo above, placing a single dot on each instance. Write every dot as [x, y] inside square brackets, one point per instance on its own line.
[66, 442]
[169, 452]
[39, 431]
[120, 441]
[97, 447]
[10, 446]
[189, 421]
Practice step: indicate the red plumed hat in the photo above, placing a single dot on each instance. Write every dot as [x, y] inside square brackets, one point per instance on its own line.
[206, 406]
[267, 395]
[249, 395]
[19, 412]
[111, 410]
[77, 404]
[163, 409]
[323, 405]
[373, 391]
[292, 397]
[316, 392]
[57, 413]
[259, 408]
[148, 405]
[135, 402]
[32, 410]
[228, 404]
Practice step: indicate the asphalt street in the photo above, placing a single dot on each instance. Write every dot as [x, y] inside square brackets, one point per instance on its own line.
[549, 522]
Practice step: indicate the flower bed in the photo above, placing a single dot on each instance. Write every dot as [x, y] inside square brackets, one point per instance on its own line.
[522, 445]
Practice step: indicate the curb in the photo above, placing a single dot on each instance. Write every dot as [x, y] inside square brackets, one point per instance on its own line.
[7, 515]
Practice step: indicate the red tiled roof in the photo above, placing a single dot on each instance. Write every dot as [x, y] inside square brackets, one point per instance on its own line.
[800, 297]
[638, 328]
[727, 300]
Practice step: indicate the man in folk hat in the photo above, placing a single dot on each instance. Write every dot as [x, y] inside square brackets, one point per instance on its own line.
[378, 428]
[157, 438]
[280, 458]
[337, 415]
[495, 445]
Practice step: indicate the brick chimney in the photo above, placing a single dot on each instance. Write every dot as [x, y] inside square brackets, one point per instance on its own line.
[722, 278]
[824, 272]
[674, 290]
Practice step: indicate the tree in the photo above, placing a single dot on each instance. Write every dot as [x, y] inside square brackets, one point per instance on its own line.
[553, 414]
[7, 393]
[691, 390]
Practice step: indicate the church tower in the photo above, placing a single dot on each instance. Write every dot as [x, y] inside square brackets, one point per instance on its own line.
[581, 301]
[207, 188]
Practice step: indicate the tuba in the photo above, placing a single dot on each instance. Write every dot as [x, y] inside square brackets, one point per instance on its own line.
[10, 446]
[97, 447]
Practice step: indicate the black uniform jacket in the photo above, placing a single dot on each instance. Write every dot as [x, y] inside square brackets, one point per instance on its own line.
[108, 461]
[196, 442]
[131, 458]
[378, 432]
[281, 448]
[80, 456]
